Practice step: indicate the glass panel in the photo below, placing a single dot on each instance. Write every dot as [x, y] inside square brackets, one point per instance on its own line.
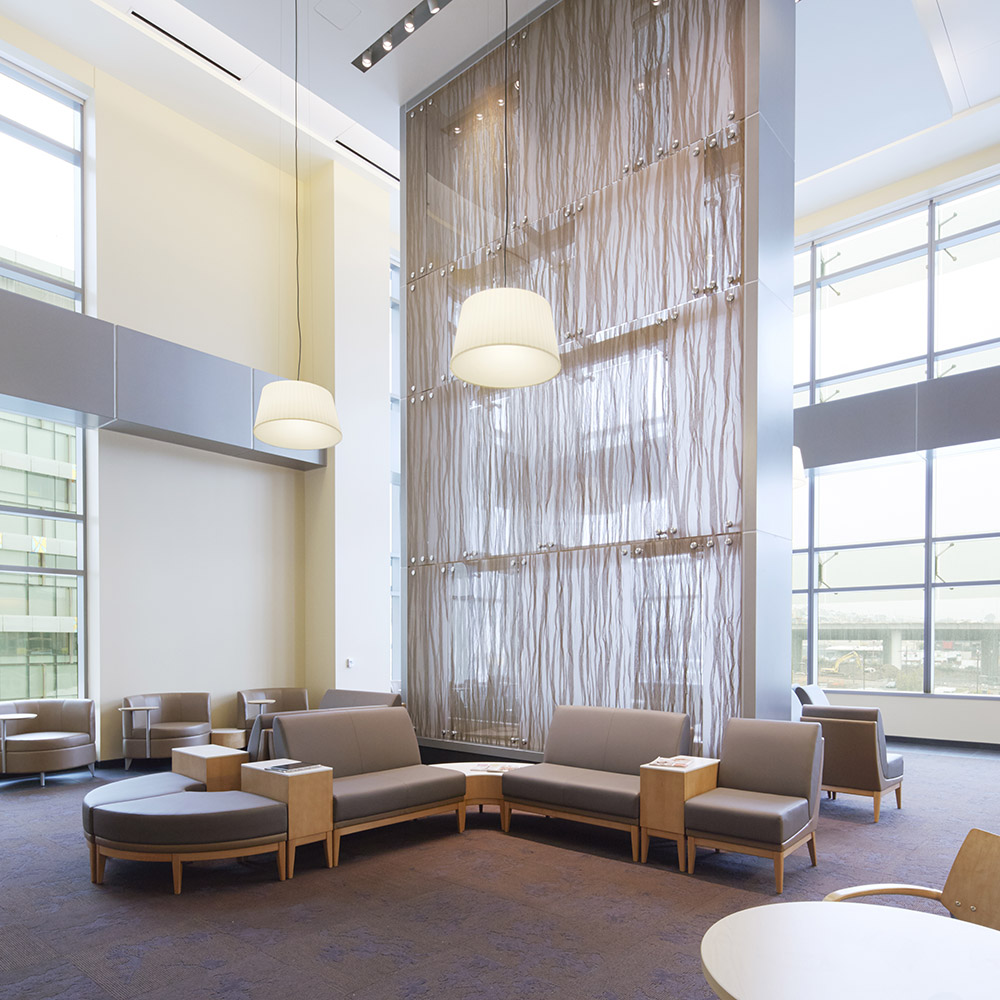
[800, 339]
[38, 199]
[873, 319]
[40, 113]
[800, 518]
[801, 267]
[42, 294]
[974, 559]
[967, 277]
[870, 503]
[955, 364]
[870, 383]
[962, 506]
[977, 209]
[800, 570]
[38, 636]
[966, 640]
[800, 398]
[800, 636]
[38, 542]
[38, 464]
[872, 640]
[872, 244]
[878, 566]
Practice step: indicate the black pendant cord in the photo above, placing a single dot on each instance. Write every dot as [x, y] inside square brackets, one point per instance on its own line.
[506, 168]
[298, 316]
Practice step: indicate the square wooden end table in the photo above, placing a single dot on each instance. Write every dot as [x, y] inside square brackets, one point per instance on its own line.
[663, 790]
[309, 797]
[217, 767]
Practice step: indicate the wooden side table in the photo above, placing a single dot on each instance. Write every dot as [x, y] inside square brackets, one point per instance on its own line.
[482, 786]
[235, 739]
[217, 767]
[309, 797]
[662, 794]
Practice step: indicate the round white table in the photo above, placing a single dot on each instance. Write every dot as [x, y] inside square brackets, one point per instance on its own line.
[857, 951]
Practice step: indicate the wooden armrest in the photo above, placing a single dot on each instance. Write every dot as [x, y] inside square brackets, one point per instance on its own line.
[887, 889]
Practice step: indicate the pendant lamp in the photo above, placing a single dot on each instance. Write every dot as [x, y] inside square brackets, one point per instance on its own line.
[292, 413]
[506, 336]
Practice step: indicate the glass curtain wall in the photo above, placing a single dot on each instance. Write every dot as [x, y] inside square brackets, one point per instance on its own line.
[395, 461]
[41, 559]
[41, 152]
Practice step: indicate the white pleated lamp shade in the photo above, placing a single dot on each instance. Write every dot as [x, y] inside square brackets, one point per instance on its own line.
[798, 469]
[505, 338]
[299, 415]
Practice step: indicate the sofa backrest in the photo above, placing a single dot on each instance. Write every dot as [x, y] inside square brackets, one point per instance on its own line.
[780, 758]
[173, 706]
[614, 739]
[352, 741]
[345, 698]
[854, 744]
[285, 700]
[66, 715]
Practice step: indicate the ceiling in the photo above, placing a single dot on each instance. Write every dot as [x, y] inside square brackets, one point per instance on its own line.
[884, 89]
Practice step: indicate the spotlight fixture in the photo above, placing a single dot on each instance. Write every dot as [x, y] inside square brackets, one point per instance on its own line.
[398, 33]
[457, 130]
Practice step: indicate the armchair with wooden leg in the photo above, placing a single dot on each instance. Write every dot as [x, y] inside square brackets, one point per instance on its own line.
[767, 800]
[971, 892]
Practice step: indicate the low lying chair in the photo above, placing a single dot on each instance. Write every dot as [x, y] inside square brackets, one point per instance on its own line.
[61, 737]
[855, 760]
[345, 698]
[284, 700]
[767, 800]
[153, 724]
[377, 775]
[811, 694]
[590, 769]
[971, 892]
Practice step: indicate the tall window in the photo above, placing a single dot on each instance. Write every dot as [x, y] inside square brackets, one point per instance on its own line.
[900, 299]
[395, 508]
[897, 574]
[41, 559]
[40, 189]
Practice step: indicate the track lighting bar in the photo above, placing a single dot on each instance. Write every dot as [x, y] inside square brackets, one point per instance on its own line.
[399, 32]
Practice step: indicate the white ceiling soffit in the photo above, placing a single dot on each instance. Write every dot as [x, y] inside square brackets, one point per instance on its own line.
[253, 112]
[888, 90]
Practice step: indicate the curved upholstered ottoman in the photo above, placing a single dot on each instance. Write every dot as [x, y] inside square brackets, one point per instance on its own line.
[187, 826]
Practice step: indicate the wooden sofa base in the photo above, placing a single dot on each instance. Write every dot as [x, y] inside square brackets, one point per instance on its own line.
[508, 804]
[456, 806]
[896, 787]
[177, 855]
[777, 855]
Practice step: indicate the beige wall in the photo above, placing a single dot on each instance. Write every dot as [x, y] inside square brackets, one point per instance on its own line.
[198, 563]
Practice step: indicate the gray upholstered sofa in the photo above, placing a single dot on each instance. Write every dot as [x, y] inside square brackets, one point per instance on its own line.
[590, 768]
[62, 736]
[176, 719]
[284, 700]
[377, 775]
[346, 698]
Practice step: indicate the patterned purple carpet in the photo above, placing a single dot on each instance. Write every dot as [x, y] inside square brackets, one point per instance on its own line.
[553, 910]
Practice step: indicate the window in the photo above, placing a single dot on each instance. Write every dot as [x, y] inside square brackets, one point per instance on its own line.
[896, 574]
[395, 480]
[40, 189]
[901, 299]
[41, 559]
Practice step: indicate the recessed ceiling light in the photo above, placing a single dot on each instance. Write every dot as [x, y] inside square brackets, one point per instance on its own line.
[366, 59]
[433, 6]
[397, 34]
[387, 43]
[408, 24]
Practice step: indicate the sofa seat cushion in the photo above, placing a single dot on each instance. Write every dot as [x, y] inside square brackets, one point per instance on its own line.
[894, 765]
[191, 818]
[177, 730]
[757, 816]
[143, 787]
[356, 796]
[576, 789]
[51, 740]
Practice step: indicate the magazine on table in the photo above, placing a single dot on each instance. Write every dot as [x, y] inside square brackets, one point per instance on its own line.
[678, 762]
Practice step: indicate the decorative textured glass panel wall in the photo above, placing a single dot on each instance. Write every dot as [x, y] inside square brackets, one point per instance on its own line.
[580, 541]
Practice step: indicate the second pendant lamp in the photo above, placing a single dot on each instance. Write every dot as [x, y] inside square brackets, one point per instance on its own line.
[506, 336]
[292, 413]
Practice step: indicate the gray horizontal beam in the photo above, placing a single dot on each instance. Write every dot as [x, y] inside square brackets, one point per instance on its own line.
[59, 365]
[958, 409]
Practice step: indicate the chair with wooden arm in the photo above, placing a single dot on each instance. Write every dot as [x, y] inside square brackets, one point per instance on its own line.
[971, 891]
